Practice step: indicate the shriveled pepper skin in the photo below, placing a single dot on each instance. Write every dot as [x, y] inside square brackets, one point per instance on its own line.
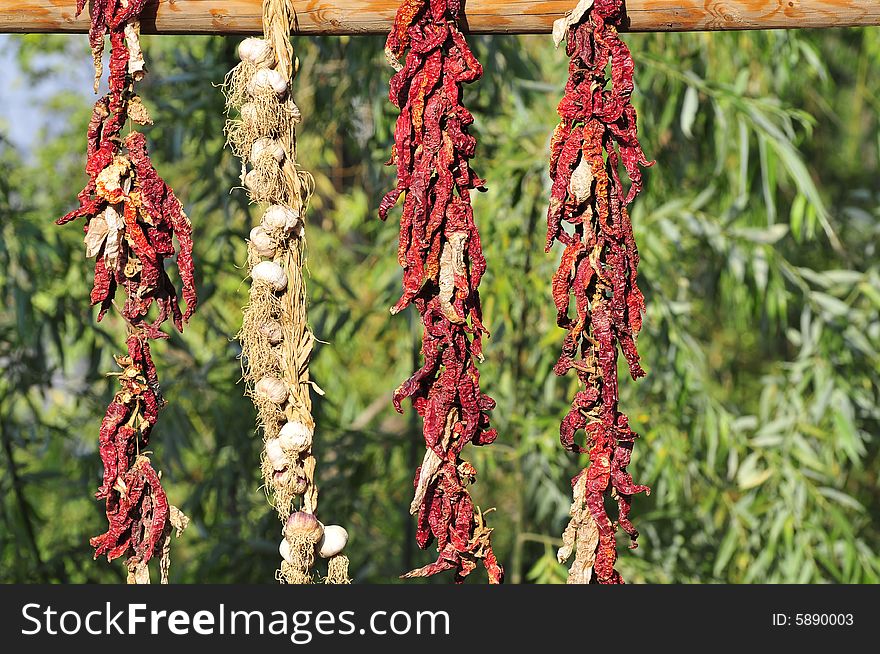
[439, 250]
[597, 272]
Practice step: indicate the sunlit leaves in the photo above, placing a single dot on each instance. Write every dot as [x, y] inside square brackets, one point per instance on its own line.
[759, 416]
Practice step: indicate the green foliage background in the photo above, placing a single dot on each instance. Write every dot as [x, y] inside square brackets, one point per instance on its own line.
[758, 229]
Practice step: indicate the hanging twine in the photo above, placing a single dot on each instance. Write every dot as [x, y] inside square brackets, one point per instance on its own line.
[275, 338]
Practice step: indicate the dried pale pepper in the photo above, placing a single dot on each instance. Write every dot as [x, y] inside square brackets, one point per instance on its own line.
[598, 270]
[132, 218]
[442, 262]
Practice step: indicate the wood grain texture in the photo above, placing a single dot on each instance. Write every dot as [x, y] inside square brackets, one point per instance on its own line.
[483, 16]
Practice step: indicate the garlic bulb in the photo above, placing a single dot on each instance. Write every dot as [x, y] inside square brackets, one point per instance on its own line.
[252, 180]
[292, 481]
[303, 525]
[272, 389]
[298, 485]
[332, 542]
[265, 146]
[278, 217]
[284, 551]
[273, 332]
[296, 436]
[270, 273]
[250, 113]
[256, 51]
[262, 242]
[275, 454]
[295, 114]
[294, 222]
[265, 80]
[279, 478]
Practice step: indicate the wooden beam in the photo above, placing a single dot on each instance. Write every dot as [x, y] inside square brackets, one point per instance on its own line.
[483, 16]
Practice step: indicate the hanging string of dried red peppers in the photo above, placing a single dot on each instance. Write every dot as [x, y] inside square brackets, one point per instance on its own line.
[132, 217]
[598, 268]
[442, 265]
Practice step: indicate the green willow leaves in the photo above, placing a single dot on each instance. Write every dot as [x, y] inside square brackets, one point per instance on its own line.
[758, 231]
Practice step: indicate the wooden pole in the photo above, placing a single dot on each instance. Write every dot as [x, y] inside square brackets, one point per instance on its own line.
[483, 16]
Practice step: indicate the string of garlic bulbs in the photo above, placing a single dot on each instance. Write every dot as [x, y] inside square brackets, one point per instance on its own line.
[275, 339]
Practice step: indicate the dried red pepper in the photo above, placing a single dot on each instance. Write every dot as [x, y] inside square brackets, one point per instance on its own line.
[442, 262]
[131, 217]
[599, 266]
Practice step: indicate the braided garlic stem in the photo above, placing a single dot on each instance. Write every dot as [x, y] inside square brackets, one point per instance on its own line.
[275, 338]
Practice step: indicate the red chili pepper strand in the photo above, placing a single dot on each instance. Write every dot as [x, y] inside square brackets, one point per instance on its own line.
[160, 512]
[117, 412]
[164, 208]
[431, 152]
[118, 18]
[599, 264]
[125, 430]
[117, 540]
[122, 178]
[108, 117]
